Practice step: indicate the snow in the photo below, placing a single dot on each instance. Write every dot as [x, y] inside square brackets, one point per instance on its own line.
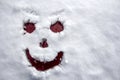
[90, 40]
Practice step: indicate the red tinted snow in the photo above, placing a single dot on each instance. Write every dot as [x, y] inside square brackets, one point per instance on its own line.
[57, 27]
[44, 43]
[43, 66]
[29, 27]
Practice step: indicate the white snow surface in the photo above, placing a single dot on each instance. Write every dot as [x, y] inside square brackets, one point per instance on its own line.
[90, 40]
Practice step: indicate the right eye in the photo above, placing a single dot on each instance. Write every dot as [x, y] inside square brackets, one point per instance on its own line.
[57, 27]
[29, 27]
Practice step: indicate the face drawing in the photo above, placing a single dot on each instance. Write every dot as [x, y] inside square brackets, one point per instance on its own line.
[83, 44]
[39, 65]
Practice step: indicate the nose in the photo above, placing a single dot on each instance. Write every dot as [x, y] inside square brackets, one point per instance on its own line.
[44, 43]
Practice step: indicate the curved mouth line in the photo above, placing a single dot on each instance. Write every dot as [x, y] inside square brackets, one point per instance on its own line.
[44, 65]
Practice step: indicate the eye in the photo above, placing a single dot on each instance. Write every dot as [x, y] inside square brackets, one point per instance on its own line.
[29, 27]
[57, 27]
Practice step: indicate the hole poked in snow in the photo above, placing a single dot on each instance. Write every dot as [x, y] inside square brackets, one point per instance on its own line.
[57, 27]
[29, 27]
[44, 43]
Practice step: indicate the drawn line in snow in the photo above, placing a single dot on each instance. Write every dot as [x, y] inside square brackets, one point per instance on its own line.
[44, 65]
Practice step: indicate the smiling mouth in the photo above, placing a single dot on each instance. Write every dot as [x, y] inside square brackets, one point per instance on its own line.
[44, 65]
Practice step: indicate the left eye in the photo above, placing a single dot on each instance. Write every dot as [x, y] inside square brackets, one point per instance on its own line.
[29, 27]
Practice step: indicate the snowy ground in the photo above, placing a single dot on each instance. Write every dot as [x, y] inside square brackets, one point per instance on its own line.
[90, 40]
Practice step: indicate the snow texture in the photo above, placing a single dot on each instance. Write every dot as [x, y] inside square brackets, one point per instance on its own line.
[90, 40]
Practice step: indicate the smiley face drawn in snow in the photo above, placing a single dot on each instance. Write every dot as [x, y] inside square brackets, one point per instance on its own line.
[39, 65]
